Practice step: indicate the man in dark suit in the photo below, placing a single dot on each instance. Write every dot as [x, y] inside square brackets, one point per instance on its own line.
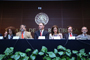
[41, 32]
[70, 33]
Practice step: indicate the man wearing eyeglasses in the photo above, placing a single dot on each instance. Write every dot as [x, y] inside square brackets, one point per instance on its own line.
[70, 34]
[84, 35]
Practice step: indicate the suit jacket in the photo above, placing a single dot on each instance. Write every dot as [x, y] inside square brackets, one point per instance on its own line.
[37, 34]
[0, 34]
[26, 36]
[66, 36]
[11, 36]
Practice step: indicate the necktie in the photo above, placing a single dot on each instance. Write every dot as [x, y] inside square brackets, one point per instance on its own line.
[40, 33]
[70, 35]
[22, 36]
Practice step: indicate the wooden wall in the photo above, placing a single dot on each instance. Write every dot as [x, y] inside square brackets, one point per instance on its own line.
[62, 14]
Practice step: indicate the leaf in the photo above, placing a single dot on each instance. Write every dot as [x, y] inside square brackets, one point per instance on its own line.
[8, 51]
[11, 48]
[35, 52]
[74, 51]
[61, 53]
[68, 54]
[16, 57]
[83, 58]
[61, 47]
[41, 53]
[17, 53]
[82, 51]
[22, 54]
[51, 54]
[48, 58]
[89, 53]
[44, 49]
[55, 51]
[25, 58]
[27, 50]
[1, 56]
[68, 50]
[32, 57]
[84, 54]
[80, 55]
[57, 58]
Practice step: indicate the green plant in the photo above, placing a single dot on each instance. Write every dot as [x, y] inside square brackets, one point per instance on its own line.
[59, 53]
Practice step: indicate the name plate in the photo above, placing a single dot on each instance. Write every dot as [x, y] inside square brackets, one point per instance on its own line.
[41, 37]
[57, 37]
[73, 38]
[15, 37]
[1, 37]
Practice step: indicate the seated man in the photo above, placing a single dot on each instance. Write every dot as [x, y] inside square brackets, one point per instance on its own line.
[84, 35]
[23, 34]
[41, 32]
[70, 33]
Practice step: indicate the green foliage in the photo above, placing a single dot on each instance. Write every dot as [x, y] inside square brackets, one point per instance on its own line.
[61, 47]
[9, 51]
[35, 52]
[74, 51]
[51, 54]
[28, 50]
[55, 51]
[41, 53]
[1, 56]
[33, 57]
[61, 53]
[44, 49]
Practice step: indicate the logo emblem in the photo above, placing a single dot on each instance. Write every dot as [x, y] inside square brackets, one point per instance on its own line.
[41, 18]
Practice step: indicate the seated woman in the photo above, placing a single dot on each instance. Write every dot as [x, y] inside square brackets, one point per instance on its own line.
[9, 33]
[55, 33]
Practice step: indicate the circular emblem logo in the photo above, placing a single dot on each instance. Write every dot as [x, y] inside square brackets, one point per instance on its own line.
[41, 18]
